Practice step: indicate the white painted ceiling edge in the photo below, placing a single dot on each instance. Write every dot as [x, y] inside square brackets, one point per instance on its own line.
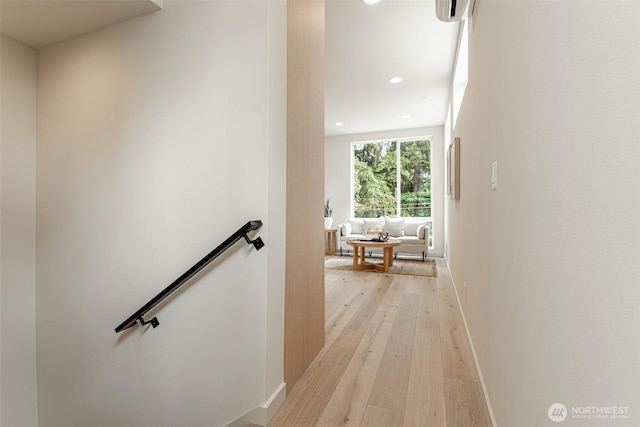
[42, 23]
[365, 46]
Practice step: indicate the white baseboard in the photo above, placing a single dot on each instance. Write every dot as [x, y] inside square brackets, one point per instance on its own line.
[473, 350]
[266, 411]
[263, 414]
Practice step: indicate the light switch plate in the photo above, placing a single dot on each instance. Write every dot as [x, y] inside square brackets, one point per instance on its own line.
[494, 175]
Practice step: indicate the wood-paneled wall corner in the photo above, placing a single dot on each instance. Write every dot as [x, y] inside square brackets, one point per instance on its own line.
[304, 277]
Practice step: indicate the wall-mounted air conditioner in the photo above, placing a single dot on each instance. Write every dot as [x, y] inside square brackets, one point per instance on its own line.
[454, 10]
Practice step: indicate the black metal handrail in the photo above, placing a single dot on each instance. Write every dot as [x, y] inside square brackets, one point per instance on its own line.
[242, 232]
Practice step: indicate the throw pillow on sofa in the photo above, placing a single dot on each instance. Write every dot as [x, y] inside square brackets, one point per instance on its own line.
[394, 226]
[422, 229]
[411, 227]
[346, 229]
[373, 223]
[357, 226]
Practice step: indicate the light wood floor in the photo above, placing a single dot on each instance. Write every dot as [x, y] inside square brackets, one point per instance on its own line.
[396, 354]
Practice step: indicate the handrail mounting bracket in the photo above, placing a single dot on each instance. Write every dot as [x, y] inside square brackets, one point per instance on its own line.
[154, 322]
[257, 243]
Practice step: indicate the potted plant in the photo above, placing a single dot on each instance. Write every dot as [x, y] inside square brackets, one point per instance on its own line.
[328, 220]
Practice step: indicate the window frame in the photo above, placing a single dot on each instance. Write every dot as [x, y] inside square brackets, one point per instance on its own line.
[399, 142]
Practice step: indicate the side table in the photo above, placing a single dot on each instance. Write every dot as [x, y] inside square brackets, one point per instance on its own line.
[330, 241]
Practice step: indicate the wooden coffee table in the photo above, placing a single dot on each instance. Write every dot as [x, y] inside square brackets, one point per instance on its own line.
[359, 251]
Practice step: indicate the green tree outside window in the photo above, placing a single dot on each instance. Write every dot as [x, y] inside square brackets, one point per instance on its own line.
[376, 186]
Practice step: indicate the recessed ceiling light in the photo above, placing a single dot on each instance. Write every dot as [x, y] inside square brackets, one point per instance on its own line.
[370, 2]
[425, 98]
[406, 116]
[395, 80]
[339, 124]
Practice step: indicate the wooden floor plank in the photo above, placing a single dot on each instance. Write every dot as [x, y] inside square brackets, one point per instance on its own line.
[392, 380]
[425, 398]
[457, 361]
[342, 313]
[396, 354]
[347, 404]
[317, 384]
[375, 416]
[342, 286]
[464, 404]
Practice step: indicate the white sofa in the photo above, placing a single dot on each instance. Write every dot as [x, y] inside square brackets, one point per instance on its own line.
[412, 232]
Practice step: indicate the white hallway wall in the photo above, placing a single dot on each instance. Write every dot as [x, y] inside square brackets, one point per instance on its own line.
[18, 388]
[338, 174]
[153, 143]
[551, 257]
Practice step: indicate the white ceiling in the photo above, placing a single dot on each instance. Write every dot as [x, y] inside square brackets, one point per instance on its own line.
[367, 45]
[41, 23]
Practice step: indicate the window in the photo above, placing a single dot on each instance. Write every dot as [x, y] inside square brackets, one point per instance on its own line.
[392, 178]
[461, 71]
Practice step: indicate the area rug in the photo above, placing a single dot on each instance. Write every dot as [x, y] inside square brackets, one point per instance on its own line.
[400, 266]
